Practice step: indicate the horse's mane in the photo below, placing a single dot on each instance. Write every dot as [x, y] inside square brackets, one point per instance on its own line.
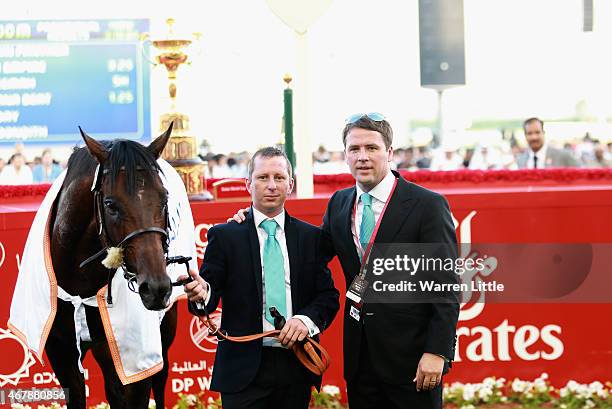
[123, 155]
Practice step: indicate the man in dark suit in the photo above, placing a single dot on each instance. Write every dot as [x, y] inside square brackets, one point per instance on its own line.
[271, 260]
[539, 154]
[394, 354]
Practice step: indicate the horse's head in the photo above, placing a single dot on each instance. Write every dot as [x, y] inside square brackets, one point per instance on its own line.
[131, 208]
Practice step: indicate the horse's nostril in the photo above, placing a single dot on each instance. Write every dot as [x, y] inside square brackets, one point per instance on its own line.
[144, 289]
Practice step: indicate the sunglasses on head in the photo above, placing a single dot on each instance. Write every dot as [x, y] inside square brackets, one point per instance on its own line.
[374, 116]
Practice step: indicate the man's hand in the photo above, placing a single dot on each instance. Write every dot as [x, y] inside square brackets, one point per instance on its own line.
[429, 372]
[239, 217]
[294, 330]
[196, 289]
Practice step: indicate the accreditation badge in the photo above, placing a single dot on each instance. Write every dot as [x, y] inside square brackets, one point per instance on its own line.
[355, 313]
[357, 289]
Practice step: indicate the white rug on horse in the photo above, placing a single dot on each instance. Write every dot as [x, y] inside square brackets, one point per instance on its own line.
[132, 330]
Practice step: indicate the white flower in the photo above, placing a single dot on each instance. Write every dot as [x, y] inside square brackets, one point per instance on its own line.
[563, 392]
[332, 390]
[519, 386]
[467, 407]
[469, 392]
[589, 404]
[191, 399]
[151, 404]
[544, 376]
[489, 382]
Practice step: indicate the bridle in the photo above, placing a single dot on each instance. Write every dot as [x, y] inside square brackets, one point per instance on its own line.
[107, 244]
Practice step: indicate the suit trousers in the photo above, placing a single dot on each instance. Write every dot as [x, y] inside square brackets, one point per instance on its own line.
[281, 382]
[368, 391]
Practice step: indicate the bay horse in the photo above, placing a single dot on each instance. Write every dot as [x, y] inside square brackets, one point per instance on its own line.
[112, 195]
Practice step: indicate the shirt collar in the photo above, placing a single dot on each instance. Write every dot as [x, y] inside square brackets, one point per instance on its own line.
[541, 154]
[382, 190]
[259, 217]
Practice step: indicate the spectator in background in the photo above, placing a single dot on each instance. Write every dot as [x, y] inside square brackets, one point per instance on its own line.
[447, 157]
[241, 170]
[321, 155]
[486, 157]
[335, 165]
[467, 157]
[16, 172]
[599, 158]
[221, 169]
[47, 171]
[423, 159]
[585, 149]
[2, 164]
[540, 154]
[406, 158]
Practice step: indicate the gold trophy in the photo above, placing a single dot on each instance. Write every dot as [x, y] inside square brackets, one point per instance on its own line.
[182, 150]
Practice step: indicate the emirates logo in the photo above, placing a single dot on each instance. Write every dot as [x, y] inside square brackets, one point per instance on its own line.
[200, 335]
[475, 302]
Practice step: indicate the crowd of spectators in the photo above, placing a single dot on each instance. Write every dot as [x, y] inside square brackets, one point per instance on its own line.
[505, 153]
[18, 170]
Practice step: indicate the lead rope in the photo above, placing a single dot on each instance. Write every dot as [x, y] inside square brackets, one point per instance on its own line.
[307, 351]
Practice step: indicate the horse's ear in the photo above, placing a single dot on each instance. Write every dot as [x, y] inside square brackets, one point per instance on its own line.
[157, 146]
[95, 148]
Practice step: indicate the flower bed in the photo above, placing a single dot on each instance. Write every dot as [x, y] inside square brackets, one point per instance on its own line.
[491, 393]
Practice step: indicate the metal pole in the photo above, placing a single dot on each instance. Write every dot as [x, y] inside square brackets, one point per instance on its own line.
[438, 142]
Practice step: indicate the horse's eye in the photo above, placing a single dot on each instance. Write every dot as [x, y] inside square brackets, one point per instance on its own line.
[110, 206]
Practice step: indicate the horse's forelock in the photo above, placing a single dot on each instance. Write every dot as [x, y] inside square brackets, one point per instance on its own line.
[132, 158]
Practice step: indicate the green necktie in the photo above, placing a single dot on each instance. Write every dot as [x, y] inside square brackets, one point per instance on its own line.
[274, 271]
[367, 221]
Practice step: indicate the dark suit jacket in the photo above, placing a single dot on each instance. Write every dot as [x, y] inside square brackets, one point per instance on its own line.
[397, 334]
[232, 267]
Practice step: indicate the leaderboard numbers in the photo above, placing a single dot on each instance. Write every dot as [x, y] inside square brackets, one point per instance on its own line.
[120, 65]
[120, 80]
[120, 97]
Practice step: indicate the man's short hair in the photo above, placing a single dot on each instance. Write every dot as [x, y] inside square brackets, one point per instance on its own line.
[533, 119]
[268, 152]
[364, 122]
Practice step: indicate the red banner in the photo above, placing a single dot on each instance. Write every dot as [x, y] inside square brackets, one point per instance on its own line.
[568, 341]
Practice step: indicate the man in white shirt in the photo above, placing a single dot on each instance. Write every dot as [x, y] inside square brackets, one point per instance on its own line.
[271, 260]
[395, 354]
[16, 172]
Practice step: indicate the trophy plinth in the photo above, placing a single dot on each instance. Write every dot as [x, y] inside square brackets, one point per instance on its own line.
[182, 149]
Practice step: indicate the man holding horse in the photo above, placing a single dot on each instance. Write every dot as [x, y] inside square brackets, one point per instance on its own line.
[395, 353]
[271, 260]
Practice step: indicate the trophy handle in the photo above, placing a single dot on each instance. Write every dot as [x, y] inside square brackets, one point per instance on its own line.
[145, 45]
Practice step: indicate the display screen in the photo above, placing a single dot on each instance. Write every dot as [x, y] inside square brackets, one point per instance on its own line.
[56, 75]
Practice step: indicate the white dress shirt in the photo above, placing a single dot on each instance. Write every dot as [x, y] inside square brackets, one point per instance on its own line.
[259, 217]
[380, 195]
[10, 175]
[541, 155]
